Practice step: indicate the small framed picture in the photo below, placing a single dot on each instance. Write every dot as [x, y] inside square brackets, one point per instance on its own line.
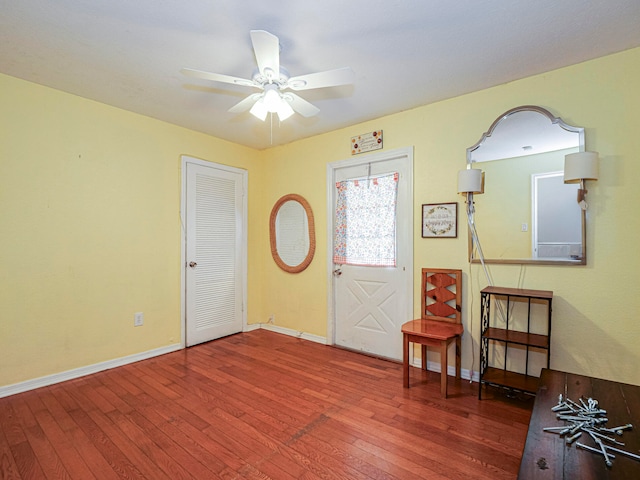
[440, 220]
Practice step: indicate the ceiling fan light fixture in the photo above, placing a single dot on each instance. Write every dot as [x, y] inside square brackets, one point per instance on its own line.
[284, 110]
[271, 101]
[272, 98]
[259, 109]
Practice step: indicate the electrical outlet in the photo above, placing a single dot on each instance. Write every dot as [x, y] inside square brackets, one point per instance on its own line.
[272, 319]
[524, 227]
[138, 319]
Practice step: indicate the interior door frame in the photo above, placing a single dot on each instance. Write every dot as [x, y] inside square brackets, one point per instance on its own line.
[185, 160]
[351, 162]
[567, 202]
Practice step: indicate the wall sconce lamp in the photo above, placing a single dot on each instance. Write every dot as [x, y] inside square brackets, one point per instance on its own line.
[471, 181]
[579, 167]
[271, 101]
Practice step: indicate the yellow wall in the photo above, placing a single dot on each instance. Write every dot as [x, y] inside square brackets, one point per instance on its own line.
[89, 206]
[595, 329]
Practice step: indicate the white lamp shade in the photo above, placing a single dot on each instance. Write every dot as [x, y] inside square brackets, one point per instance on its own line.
[272, 98]
[259, 110]
[580, 166]
[470, 181]
[284, 110]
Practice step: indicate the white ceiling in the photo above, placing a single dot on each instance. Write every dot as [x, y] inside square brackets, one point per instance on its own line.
[128, 53]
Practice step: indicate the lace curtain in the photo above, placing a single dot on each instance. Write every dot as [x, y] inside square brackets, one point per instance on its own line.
[365, 231]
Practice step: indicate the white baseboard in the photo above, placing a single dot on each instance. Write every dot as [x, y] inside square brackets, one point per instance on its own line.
[82, 371]
[292, 333]
[451, 371]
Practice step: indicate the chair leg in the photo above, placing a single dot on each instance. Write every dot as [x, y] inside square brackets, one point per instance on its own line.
[405, 360]
[458, 358]
[443, 369]
[424, 357]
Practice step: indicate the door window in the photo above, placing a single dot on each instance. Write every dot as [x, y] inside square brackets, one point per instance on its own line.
[365, 219]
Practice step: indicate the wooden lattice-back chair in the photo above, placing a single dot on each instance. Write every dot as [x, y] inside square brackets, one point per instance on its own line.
[440, 323]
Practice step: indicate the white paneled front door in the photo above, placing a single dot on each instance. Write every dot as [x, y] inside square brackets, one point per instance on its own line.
[371, 303]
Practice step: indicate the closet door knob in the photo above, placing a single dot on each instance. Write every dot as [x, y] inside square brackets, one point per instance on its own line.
[192, 264]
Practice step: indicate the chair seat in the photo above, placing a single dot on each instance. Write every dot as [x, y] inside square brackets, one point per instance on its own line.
[435, 329]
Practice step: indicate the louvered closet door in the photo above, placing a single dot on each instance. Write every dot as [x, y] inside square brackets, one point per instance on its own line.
[214, 256]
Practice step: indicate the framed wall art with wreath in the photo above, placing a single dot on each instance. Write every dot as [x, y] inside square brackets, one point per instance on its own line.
[440, 220]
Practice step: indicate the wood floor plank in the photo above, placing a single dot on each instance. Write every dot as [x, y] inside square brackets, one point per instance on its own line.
[116, 459]
[26, 461]
[48, 458]
[133, 447]
[50, 398]
[450, 460]
[70, 457]
[342, 440]
[261, 405]
[163, 451]
[191, 439]
[344, 456]
[8, 467]
[11, 423]
[91, 455]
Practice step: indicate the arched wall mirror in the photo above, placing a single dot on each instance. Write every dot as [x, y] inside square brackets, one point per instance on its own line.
[527, 214]
[292, 233]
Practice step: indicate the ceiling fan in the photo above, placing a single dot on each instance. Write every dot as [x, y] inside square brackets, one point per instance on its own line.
[275, 82]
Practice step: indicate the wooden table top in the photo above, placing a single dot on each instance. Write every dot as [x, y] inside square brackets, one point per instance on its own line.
[546, 455]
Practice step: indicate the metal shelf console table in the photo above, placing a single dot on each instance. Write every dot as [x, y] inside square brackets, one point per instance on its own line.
[502, 377]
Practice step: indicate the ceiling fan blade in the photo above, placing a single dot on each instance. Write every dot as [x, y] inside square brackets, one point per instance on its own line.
[267, 50]
[218, 77]
[245, 104]
[300, 105]
[330, 78]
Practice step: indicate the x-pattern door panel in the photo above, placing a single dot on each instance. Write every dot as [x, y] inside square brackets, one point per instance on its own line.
[371, 306]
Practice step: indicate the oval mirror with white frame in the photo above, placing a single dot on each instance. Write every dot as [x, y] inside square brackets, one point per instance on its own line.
[292, 233]
[527, 214]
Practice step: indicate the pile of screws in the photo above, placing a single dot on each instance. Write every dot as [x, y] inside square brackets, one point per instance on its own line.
[591, 419]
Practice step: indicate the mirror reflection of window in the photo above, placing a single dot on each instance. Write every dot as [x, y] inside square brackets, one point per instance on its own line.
[292, 227]
[556, 217]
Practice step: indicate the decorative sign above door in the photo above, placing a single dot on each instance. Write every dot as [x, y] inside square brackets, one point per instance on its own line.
[366, 142]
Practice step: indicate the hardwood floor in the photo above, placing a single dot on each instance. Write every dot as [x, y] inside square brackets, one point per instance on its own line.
[261, 405]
